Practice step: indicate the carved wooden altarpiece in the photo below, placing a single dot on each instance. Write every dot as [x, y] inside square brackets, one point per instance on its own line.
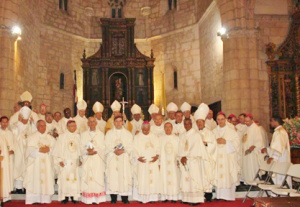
[284, 72]
[118, 69]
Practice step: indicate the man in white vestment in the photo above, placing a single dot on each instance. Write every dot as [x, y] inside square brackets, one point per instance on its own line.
[146, 149]
[80, 119]
[10, 142]
[158, 128]
[178, 126]
[210, 143]
[42, 110]
[93, 168]
[5, 174]
[186, 110]
[264, 133]
[227, 167]
[118, 147]
[192, 152]
[279, 149]
[21, 131]
[67, 153]
[98, 110]
[169, 171]
[39, 180]
[55, 122]
[116, 108]
[252, 144]
[153, 111]
[137, 120]
[64, 120]
[26, 99]
[241, 127]
[210, 123]
[172, 108]
[51, 128]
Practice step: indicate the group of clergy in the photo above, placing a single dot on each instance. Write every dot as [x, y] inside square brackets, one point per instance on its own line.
[182, 158]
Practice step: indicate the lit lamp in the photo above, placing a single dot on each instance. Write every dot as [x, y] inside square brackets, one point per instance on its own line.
[15, 30]
[222, 32]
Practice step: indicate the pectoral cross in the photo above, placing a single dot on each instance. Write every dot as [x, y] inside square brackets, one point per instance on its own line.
[123, 102]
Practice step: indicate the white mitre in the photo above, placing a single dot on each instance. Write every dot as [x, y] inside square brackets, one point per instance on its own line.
[98, 107]
[115, 106]
[81, 105]
[25, 112]
[153, 109]
[172, 107]
[185, 107]
[201, 112]
[26, 96]
[136, 109]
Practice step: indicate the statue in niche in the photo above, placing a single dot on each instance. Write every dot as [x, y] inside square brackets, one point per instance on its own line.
[116, 7]
[118, 89]
[141, 79]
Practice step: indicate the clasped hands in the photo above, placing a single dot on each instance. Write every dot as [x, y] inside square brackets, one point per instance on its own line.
[62, 164]
[91, 151]
[141, 159]
[221, 140]
[44, 149]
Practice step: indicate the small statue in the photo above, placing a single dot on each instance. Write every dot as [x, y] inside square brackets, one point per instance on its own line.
[116, 7]
[270, 50]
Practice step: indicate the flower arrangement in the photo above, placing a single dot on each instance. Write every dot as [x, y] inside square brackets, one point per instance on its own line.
[292, 126]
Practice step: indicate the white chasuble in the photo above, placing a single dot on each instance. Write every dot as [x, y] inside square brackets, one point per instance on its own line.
[67, 151]
[118, 168]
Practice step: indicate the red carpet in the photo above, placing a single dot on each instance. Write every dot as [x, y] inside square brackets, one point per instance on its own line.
[236, 203]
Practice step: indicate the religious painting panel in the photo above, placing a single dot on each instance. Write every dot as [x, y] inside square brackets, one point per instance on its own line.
[118, 87]
[140, 77]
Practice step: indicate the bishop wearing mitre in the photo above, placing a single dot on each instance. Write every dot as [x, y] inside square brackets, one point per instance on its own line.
[98, 110]
[153, 111]
[80, 119]
[26, 99]
[210, 143]
[172, 108]
[116, 108]
[93, 154]
[21, 131]
[137, 119]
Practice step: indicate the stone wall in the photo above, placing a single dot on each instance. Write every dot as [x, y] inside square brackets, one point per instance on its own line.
[183, 39]
[211, 54]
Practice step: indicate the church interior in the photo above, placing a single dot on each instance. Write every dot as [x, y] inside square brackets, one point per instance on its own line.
[237, 56]
[211, 51]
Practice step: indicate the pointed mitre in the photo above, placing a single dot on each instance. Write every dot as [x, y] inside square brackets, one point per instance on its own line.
[201, 112]
[136, 109]
[172, 107]
[81, 105]
[185, 107]
[153, 109]
[98, 107]
[115, 106]
[26, 96]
